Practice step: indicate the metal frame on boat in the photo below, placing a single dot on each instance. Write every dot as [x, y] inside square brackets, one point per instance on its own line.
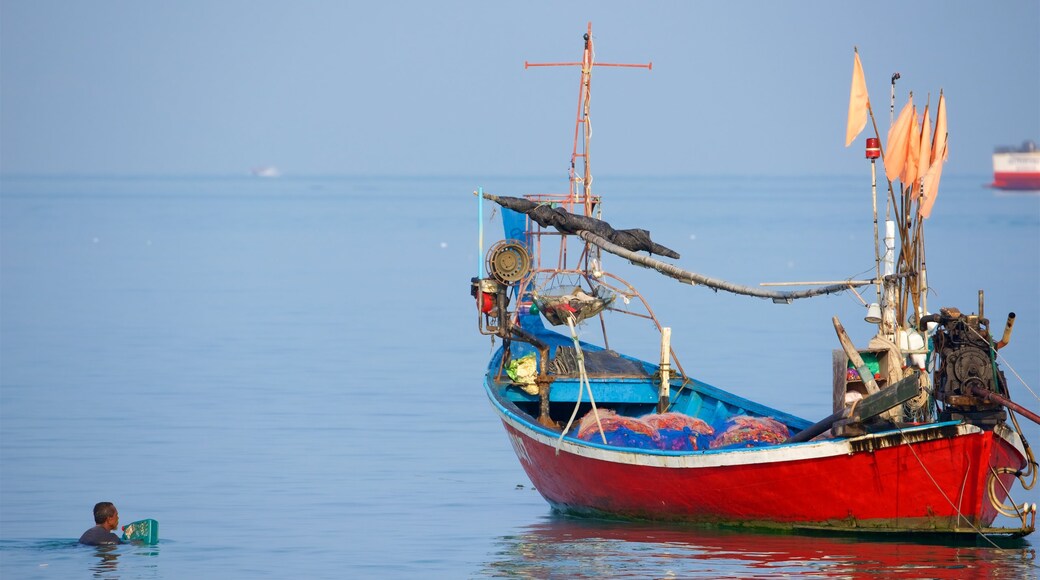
[924, 436]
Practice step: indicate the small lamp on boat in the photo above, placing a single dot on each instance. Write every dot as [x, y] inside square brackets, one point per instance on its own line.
[873, 314]
[873, 148]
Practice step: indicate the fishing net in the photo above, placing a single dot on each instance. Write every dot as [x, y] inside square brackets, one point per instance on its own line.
[678, 421]
[679, 432]
[747, 431]
[667, 431]
[620, 431]
[574, 302]
[588, 422]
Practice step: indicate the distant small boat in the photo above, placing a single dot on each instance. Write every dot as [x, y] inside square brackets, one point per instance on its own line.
[1017, 167]
[266, 171]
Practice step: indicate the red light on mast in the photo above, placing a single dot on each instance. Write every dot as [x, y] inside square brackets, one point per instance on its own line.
[873, 148]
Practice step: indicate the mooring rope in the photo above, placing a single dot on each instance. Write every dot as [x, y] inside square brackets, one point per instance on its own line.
[1031, 464]
[960, 515]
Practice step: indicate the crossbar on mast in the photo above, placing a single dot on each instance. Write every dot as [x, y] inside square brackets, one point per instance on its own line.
[649, 65]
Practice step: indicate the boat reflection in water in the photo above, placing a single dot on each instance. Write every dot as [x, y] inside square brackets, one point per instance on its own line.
[565, 547]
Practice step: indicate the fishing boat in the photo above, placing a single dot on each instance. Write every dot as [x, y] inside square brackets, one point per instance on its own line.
[1017, 167]
[922, 420]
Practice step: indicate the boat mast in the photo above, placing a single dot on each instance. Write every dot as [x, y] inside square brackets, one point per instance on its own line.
[581, 186]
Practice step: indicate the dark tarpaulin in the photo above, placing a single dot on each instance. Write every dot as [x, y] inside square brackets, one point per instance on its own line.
[634, 240]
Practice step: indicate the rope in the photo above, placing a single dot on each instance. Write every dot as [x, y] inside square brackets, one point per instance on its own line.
[960, 516]
[999, 505]
[852, 409]
[943, 494]
[1018, 376]
[1031, 472]
[583, 381]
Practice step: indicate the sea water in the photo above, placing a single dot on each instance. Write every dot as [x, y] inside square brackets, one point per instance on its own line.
[285, 372]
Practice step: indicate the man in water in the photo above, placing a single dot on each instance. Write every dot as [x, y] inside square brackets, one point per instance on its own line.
[107, 519]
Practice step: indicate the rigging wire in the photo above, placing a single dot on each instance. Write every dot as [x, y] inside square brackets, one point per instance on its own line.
[1010, 368]
[1031, 460]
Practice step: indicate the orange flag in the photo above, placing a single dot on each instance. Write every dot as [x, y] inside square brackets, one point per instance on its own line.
[938, 156]
[858, 102]
[939, 139]
[924, 155]
[931, 189]
[913, 150]
[898, 141]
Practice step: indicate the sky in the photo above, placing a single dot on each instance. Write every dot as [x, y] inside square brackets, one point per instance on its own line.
[218, 87]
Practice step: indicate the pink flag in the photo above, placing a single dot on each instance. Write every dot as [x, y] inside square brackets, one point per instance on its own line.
[898, 141]
[858, 102]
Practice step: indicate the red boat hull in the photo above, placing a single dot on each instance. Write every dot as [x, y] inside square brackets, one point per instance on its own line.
[931, 479]
[1023, 180]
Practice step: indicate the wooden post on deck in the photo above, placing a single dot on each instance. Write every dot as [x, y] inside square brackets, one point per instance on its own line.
[665, 391]
[850, 350]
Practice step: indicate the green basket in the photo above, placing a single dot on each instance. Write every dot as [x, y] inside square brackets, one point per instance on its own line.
[143, 531]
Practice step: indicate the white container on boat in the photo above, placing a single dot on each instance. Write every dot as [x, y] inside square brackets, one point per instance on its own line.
[917, 342]
[911, 340]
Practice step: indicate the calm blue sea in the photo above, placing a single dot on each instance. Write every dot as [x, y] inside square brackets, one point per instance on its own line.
[285, 372]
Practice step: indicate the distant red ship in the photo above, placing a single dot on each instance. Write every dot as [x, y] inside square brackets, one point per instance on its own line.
[1017, 167]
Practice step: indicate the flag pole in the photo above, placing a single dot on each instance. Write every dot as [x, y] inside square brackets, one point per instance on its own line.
[882, 294]
[873, 191]
[877, 254]
[480, 232]
[891, 120]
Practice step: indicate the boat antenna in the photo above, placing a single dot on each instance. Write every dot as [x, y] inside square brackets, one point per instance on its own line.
[892, 101]
[891, 120]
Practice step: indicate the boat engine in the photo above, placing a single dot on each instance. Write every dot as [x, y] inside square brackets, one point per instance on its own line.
[966, 370]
